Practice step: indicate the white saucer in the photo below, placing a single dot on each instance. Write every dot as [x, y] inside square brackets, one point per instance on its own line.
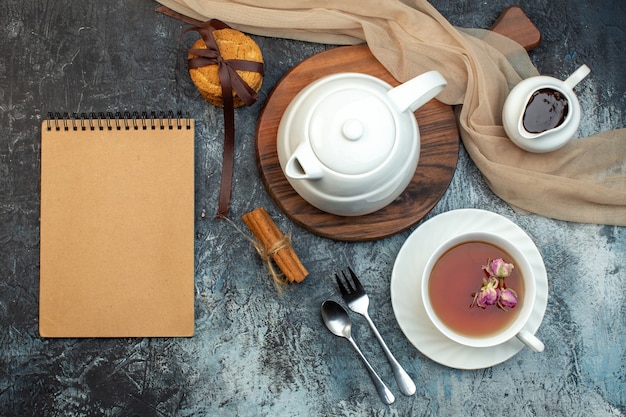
[406, 283]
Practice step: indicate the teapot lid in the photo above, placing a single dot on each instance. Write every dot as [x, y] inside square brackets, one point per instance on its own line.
[352, 128]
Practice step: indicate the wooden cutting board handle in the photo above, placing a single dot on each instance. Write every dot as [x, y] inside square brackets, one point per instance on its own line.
[514, 24]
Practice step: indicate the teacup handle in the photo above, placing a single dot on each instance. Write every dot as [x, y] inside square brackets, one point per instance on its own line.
[530, 340]
[577, 76]
[418, 91]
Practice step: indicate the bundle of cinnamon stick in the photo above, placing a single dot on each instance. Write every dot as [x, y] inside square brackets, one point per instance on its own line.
[274, 246]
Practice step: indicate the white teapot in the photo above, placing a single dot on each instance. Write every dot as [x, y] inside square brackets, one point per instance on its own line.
[349, 144]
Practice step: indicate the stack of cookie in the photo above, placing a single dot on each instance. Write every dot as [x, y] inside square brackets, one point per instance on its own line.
[232, 45]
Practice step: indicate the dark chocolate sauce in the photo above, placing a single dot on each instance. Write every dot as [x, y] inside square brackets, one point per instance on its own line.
[546, 109]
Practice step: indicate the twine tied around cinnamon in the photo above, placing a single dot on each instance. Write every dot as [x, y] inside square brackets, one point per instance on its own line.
[273, 247]
[267, 255]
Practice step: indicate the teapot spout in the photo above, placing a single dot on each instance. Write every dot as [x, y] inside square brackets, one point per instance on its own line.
[303, 164]
[418, 91]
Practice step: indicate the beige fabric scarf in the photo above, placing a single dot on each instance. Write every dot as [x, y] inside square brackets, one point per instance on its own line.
[584, 181]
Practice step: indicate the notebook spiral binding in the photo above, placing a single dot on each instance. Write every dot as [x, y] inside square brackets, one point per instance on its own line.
[118, 121]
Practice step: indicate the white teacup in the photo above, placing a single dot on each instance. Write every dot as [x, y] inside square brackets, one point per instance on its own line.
[517, 327]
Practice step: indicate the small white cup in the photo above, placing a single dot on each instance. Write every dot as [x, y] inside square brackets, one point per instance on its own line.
[515, 328]
[515, 107]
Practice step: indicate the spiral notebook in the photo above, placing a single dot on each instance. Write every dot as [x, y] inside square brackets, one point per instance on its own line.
[117, 226]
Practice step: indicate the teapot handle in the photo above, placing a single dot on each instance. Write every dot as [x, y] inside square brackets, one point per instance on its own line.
[303, 164]
[418, 91]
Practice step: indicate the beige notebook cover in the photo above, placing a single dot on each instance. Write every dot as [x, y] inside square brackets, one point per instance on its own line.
[117, 228]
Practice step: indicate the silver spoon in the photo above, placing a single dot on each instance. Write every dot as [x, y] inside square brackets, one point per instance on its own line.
[338, 322]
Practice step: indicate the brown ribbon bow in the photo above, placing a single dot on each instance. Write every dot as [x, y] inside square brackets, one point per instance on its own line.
[230, 81]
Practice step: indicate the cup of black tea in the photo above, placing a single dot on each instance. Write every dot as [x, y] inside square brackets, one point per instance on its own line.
[471, 302]
[542, 113]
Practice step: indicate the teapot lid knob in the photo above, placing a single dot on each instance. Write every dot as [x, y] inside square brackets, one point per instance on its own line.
[352, 132]
[352, 129]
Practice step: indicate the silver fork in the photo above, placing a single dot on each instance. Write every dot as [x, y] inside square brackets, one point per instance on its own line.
[355, 296]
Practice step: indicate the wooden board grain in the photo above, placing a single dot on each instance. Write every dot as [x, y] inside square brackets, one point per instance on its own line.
[437, 162]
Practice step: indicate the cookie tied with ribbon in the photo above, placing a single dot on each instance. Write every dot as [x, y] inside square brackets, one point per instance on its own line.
[237, 51]
[227, 68]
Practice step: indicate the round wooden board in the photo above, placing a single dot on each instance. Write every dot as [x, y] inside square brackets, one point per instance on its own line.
[437, 162]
